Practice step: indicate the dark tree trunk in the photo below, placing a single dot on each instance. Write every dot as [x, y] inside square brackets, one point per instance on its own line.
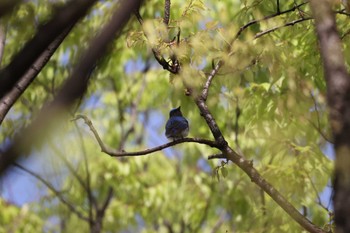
[338, 97]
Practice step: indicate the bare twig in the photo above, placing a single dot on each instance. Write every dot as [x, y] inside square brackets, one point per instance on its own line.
[318, 126]
[319, 201]
[68, 164]
[278, 13]
[134, 106]
[343, 12]
[88, 122]
[292, 23]
[166, 12]
[217, 156]
[107, 200]
[173, 68]
[238, 114]
[214, 71]
[219, 223]
[58, 194]
[91, 197]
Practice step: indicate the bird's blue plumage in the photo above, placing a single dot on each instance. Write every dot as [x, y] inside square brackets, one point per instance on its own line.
[177, 126]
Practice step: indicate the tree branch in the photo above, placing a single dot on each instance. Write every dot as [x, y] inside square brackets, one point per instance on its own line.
[217, 156]
[318, 126]
[248, 168]
[173, 68]
[213, 72]
[116, 153]
[338, 98]
[73, 89]
[67, 15]
[166, 12]
[70, 206]
[292, 23]
[91, 197]
[278, 13]
[9, 99]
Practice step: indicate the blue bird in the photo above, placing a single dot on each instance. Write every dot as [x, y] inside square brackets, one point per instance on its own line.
[177, 125]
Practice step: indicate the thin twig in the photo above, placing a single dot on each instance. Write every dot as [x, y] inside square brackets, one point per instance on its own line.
[134, 105]
[212, 74]
[58, 194]
[88, 122]
[278, 13]
[166, 12]
[217, 156]
[292, 23]
[173, 68]
[342, 12]
[319, 201]
[238, 114]
[218, 223]
[91, 198]
[107, 200]
[318, 126]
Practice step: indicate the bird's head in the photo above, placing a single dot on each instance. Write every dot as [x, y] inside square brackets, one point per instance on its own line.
[175, 112]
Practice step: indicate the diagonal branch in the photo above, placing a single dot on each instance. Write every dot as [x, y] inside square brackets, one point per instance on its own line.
[58, 194]
[73, 89]
[67, 15]
[255, 21]
[214, 71]
[7, 101]
[318, 126]
[248, 168]
[292, 23]
[254, 175]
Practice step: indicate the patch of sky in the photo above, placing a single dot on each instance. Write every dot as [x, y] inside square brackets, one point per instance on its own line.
[203, 164]
[17, 185]
[64, 57]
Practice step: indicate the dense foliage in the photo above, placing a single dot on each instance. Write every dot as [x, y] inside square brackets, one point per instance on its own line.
[268, 99]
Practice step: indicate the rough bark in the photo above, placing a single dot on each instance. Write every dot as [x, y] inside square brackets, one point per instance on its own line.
[12, 96]
[338, 97]
[21, 62]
